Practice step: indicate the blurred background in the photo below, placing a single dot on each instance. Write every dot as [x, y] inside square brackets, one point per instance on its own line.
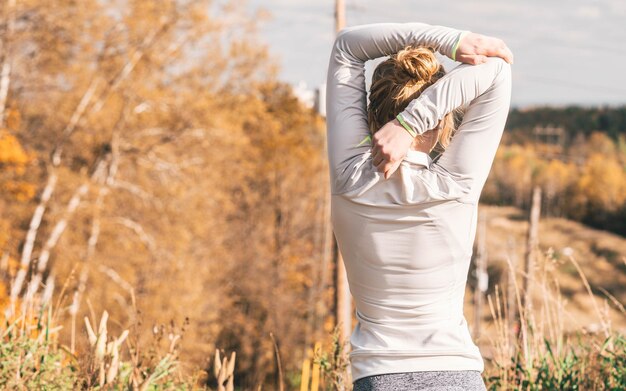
[164, 194]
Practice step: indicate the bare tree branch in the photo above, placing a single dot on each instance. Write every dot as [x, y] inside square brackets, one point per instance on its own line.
[74, 119]
[138, 229]
[113, 275]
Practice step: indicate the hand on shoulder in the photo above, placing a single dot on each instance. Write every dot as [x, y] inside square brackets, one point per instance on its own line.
[390, 144]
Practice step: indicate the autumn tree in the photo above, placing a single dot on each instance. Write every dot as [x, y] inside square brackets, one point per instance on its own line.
[176, 178]
[584, 182]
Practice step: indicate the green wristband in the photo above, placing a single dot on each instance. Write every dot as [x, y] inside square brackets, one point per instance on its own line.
[406, 126]
[458, 42]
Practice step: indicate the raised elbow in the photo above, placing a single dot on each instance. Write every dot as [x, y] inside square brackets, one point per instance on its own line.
[341, 40]
[502, 70]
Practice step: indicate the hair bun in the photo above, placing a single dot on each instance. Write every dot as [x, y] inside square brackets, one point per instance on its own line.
[417, 63]
[400, 79]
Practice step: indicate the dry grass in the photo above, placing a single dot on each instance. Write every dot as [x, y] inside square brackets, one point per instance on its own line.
[599, 254]
[33, 357]
[571, 335]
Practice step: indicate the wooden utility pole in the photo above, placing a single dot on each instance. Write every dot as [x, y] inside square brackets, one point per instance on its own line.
[482, 278]
[340, 15]
[531, 247]
[511, 302]
[343, 299]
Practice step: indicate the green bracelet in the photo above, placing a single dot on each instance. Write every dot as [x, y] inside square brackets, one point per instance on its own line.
[406, 126]
[458, 42]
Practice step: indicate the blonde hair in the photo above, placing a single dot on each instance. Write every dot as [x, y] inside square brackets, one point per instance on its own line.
[399, 80]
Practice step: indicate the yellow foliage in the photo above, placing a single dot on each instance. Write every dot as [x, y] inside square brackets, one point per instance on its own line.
[513, 170]
[21, 191]
[601, 143]
[11, 152]
[603, 183]
[591, 179]
[13, 162]
[555, 177]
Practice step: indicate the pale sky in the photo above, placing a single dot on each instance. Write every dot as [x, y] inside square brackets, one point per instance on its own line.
[566, 51]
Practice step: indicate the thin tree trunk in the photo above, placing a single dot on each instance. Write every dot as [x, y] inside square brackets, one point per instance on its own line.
[58, 231]
[5, 75]
[31, 236]
[52, 241]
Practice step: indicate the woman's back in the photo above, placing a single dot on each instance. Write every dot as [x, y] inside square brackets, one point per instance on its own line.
[407, 267]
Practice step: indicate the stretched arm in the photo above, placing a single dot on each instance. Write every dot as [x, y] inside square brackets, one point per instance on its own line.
[391, 142]
[346, 106]
[469, 156]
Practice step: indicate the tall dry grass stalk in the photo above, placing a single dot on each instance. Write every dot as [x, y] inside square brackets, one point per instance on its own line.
[223, 370]
[332, 366]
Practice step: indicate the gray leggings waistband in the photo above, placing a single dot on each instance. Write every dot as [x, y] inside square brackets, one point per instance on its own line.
[423, 381]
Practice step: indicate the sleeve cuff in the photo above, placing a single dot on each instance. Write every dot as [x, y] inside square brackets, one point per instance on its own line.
[406, 126]
[421, 115]
[458, 42]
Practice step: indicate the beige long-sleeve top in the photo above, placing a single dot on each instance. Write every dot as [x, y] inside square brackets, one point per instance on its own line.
[407, 241]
